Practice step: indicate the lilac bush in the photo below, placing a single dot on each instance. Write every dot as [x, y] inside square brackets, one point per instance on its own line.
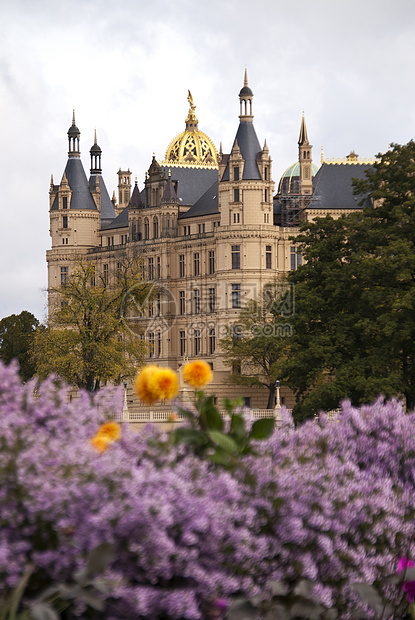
[329, 501]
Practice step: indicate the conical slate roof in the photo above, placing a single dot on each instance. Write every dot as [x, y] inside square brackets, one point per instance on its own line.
[249, 146]
[81, 194]
[107, 208]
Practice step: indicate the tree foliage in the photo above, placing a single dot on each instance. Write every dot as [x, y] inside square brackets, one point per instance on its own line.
[255, 347]
[87, 340]
[16, 335]
[354, 322]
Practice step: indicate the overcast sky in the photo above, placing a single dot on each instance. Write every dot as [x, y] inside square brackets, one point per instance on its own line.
[126, 68]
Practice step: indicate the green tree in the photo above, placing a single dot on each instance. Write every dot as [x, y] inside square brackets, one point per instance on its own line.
[88, 340]
[16, 336]
[354, 323]
[256, 345]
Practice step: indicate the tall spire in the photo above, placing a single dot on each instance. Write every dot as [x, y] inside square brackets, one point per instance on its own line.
[73, 139]
[245, 99]
[303, 138]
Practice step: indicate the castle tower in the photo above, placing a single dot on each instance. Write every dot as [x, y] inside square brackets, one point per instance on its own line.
[245, 188]
[124, 189]
[305, 160]
[74, 215]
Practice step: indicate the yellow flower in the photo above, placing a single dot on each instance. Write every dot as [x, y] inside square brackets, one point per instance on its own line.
[165, 382]
[100, 443]
[154, 383]
[110, 430]
[197, 374]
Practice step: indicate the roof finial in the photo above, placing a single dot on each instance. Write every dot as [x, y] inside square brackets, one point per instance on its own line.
[95, 136]
[246, 77]
[303, 137]
[322, 155]
[191, 120]
[73, 116]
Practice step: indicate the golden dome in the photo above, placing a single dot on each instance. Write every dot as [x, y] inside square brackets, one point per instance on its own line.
[192, 147]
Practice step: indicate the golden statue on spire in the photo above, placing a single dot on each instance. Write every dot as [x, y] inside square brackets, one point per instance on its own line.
[191, 116]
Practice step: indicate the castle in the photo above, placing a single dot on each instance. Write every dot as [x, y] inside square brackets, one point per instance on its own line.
[209, 227]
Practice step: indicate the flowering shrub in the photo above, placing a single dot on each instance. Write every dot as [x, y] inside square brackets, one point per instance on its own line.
[330, 503]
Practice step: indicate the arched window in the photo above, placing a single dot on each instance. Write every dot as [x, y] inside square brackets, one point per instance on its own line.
[155, 227]
[146, 228]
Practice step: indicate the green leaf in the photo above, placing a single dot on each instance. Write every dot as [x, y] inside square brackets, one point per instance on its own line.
[263, 428]
[219, 457]
[238, 426]
[224, 441]
[190, 436]
[213, 418]
[229, 406]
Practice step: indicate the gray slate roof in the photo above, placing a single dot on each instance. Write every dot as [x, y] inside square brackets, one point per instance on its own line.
[249, 146]
[81, 194]
[207, 204]
[107, 208]
[121, 221]
[333, 186]
[192, 182]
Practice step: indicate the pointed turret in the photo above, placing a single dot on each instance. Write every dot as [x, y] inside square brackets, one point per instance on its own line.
[245, 99]
[73, 139]
[95, 153]
[246, 138]
[136, 201]
[303, 137]
[169, 195]
[305, 161]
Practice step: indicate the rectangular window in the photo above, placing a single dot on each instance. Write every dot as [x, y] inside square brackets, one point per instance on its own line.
[64, 275]
[236, 257]
[268, 255]
[158, 304]
[64, 202]
[266, 195]
[182, 302]
[212, 341]
[106, 274]
[151, 344]
[212, 299]
[295, 258]
[236, 218]
[197, 342]
[236, 295]
[158, 267]
[236, 195]
[196, 264]
[196, 298]
[151, 268]
[187, 231]
[65, 221]
[181, 266]
[158, 344]
[211, 262]
[201, 228]
[182, 343]
[236, 173]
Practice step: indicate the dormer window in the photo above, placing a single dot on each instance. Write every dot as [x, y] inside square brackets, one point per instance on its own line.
[64, 202]
[236, 173]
